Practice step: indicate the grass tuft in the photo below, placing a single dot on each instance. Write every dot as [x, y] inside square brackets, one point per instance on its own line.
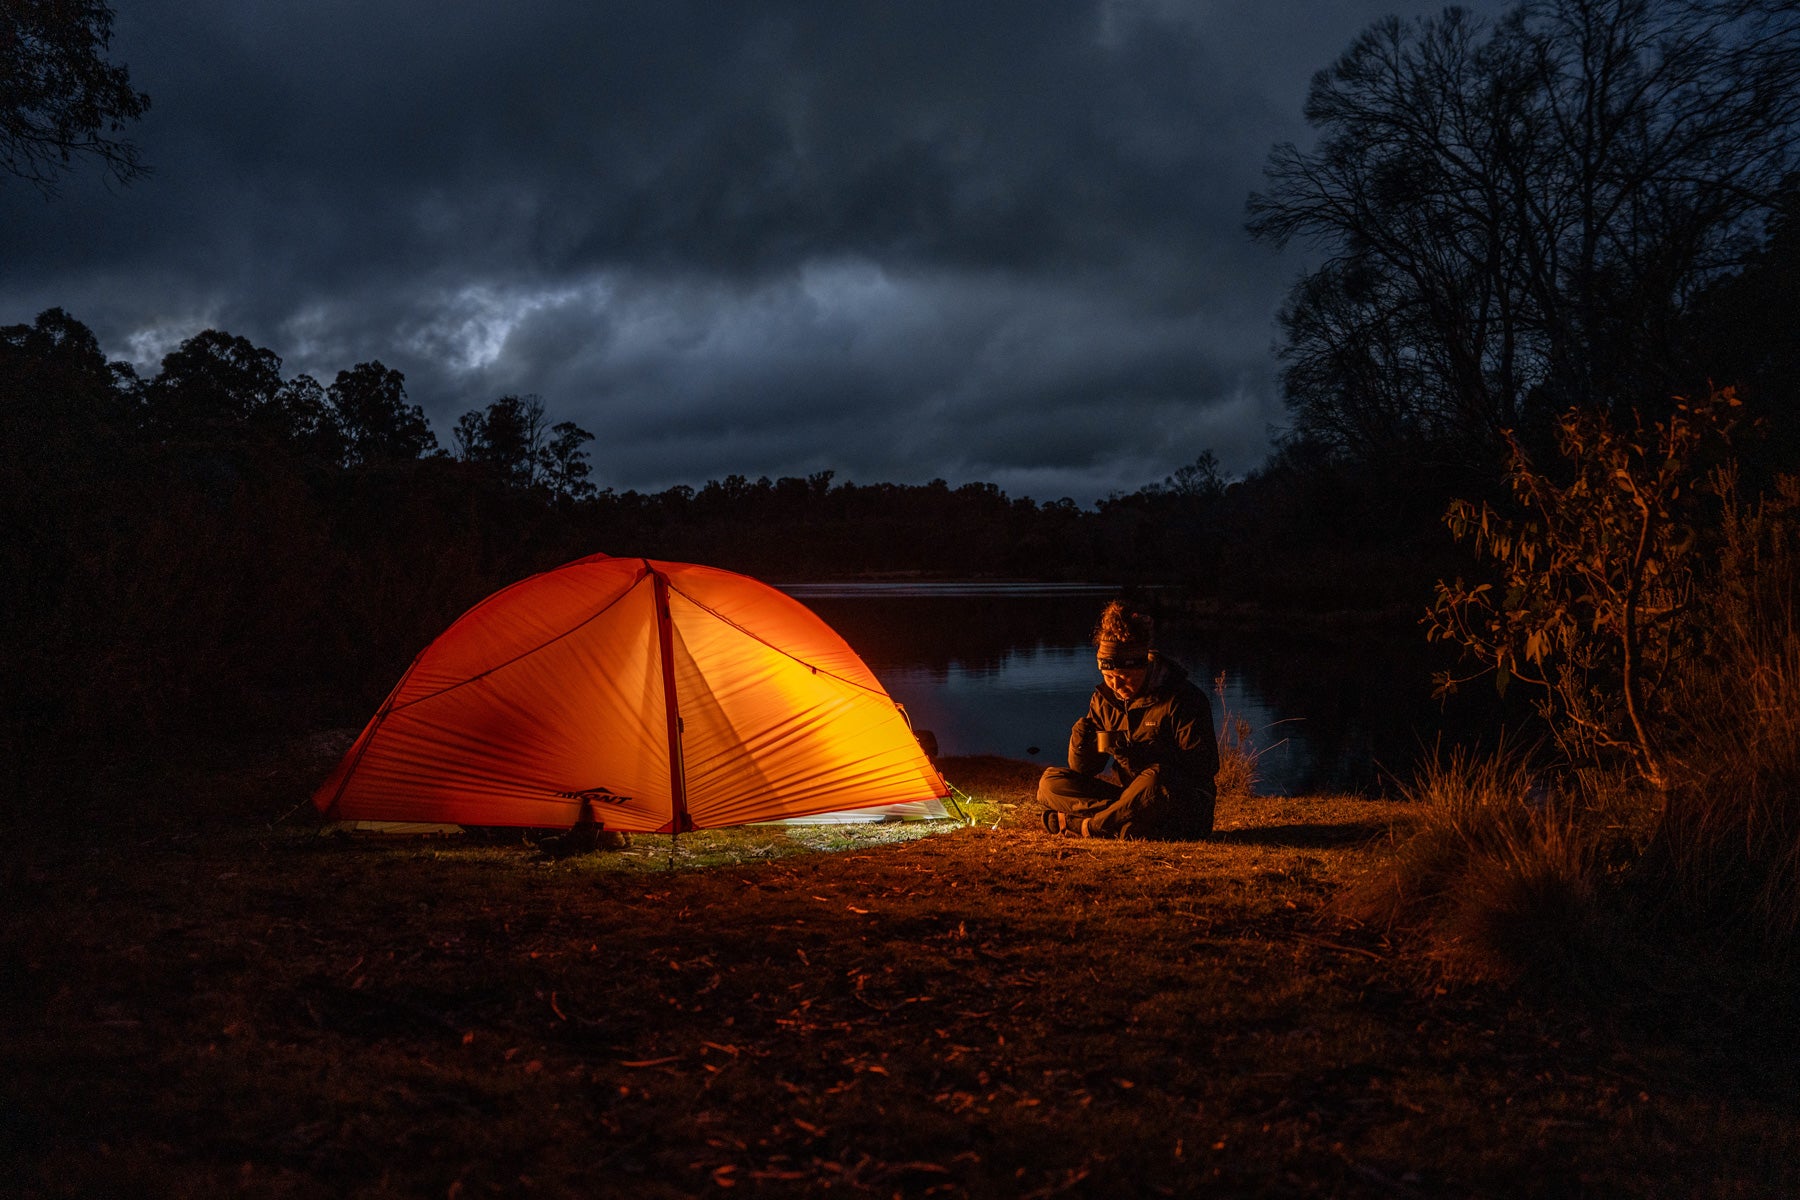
[1527, 903]
[1502, 873]
[1238, 754]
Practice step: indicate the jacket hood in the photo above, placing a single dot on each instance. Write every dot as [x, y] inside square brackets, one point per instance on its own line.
[1165, 672]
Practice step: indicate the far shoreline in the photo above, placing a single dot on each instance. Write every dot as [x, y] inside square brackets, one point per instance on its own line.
[1181, 600]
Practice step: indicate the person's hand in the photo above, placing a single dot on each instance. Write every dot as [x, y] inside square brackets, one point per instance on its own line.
[1132, 756]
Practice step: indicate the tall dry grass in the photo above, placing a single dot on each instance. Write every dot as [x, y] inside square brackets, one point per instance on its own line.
[1504, 873]
[1238, 754]
[1730, 835]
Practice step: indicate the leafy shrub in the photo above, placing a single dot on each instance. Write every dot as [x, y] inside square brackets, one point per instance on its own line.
[1595, 602]
[1655, 611]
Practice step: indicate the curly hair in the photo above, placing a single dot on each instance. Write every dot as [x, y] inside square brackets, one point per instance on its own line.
[1120, 622]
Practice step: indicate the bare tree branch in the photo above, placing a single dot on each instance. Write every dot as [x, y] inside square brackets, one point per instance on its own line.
[60, 99]
[1515, 215]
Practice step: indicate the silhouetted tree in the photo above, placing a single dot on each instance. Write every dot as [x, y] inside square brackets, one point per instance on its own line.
[1744, 334]
[301, 414]
[54, 368]
[1199, 480]
[1515, 215]
[378, 424]
[1356, 375]
[564, 466]
[506, 437]
[212, 385]
[59, 96]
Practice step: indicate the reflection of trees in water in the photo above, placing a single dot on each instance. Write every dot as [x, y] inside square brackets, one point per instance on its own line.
[1356, 704]
[976, 633]
[1362, 698]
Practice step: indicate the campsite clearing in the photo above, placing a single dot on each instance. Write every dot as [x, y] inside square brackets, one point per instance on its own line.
[203, 1003]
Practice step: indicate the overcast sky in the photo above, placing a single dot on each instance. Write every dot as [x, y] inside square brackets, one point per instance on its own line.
[978, 240]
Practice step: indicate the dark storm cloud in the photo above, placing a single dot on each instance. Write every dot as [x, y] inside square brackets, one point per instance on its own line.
[996, 241]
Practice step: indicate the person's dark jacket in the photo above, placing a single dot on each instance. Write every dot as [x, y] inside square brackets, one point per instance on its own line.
[1169, 724]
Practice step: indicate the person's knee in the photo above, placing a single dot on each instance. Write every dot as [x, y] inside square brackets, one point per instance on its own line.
[1151, 783]
[1163, 779]
[1048, 783]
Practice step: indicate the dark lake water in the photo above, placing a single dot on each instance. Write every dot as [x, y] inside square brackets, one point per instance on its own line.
[1006, 670]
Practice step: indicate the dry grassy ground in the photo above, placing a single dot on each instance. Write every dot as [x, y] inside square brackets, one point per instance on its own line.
[200, 1004]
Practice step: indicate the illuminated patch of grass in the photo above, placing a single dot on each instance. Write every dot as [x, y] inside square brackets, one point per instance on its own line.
[704, 848]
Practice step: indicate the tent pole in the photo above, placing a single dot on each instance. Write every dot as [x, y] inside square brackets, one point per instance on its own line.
[665, 644]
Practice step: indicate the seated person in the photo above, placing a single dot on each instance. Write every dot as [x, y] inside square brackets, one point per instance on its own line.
[1155, 726]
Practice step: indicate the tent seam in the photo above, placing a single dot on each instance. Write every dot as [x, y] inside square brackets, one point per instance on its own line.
[791, 657]
[584, 622]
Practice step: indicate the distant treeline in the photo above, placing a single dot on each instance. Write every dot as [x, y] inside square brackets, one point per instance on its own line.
[218, 550]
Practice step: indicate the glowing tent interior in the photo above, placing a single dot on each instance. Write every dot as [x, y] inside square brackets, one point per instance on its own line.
[661, 696]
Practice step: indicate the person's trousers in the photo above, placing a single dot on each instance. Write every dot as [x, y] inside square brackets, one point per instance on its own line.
[1152, 805]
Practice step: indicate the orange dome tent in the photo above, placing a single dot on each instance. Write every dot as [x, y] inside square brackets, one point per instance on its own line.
[666, 696]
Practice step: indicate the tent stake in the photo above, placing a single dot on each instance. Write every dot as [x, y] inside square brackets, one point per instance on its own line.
[954, 793]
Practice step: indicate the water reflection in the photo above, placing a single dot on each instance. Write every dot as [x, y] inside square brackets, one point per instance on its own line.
[1006, 670]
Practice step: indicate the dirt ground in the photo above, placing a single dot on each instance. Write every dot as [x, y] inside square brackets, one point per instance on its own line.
[217, 1000]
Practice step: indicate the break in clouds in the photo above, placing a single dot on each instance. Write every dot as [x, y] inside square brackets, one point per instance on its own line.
[998, 242]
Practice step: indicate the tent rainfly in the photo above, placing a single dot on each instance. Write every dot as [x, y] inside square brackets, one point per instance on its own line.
[662, 697]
